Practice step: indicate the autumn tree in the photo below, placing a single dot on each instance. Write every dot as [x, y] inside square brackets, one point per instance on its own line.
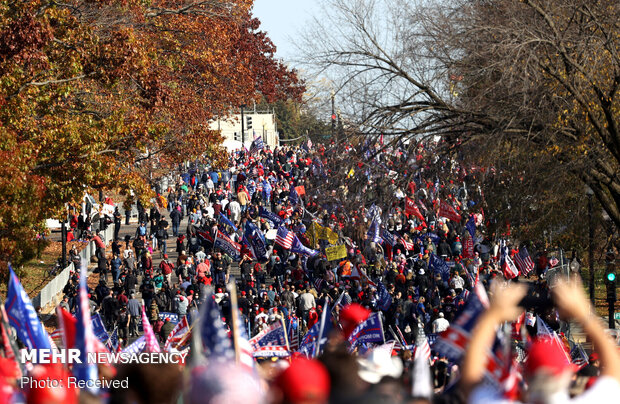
[93, 92]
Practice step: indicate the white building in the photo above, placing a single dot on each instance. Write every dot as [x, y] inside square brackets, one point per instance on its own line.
[257, 123]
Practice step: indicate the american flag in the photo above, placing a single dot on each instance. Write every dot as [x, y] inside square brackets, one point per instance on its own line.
[112, 342]
[285, 238]
[524, 261]
[408, 246]
[544, 331]
[293, 333]
[274, 335]
[257, 144]
[246, 360]
[423, 349]
[578, 356]
[215, 342]
[151, 340]
[178, 335]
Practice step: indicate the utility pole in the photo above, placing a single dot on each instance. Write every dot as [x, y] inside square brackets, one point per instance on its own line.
[63, 238]
[590, 194]
[333, 116]
[610, 283]
[242, 126]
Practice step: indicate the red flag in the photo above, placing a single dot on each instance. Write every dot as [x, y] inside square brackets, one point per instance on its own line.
[446, 210]
[516, 326]
[301, 190]
[412, 209]
[509, 268]
[67, 323]
[468, 250]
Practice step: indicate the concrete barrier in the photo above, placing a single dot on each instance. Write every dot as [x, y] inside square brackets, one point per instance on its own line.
[51, 293]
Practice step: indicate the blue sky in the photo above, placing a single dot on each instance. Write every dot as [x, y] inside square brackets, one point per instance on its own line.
[283, 20]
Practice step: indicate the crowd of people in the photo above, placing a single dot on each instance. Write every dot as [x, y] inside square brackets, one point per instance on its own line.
[323, 241]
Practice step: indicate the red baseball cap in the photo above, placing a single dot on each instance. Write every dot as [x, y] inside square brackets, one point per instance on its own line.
[351, 316]
[546, 353]
[306, 380]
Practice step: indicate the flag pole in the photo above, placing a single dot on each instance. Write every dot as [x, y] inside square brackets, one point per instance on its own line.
[288, 347]
[232, 288]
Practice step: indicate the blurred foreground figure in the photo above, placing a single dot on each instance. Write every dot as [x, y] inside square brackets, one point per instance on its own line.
[306, 381]
[548, 373]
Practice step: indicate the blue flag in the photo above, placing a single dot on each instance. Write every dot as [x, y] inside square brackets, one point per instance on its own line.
[227, 221]
[256, 240]
[373, 232]
[384, 300]
[112, 342]
[272, 217]
[299, 248]
[314, 341]
[439, 266]
[293, 196]
[371, 330]
[388, 237]
[251, 187]
[225, 243]
[434, 238]
[471, 226]
[99, 329]
[23, 317]
[266, 190]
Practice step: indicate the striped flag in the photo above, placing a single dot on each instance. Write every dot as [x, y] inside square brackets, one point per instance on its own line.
[273, 335]
[151, 340]
[509, 268]
[422, 349]
[285, 238]
[408, 245]
[179, 336]
[257, 144]
[544, 331]
[524, 261]
[246, 359]
[578, 356]
[293, 333]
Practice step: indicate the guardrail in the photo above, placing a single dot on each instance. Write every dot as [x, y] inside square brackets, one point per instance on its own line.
[51, 291]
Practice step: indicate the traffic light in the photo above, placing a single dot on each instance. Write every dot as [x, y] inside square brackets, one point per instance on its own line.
[610, 276]
[249, 122]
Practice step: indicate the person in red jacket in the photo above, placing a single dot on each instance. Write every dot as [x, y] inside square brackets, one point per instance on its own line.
[313, 317]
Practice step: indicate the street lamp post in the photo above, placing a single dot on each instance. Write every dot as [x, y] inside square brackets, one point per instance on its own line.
[242, 126]
[333, 116]
[590, 193]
